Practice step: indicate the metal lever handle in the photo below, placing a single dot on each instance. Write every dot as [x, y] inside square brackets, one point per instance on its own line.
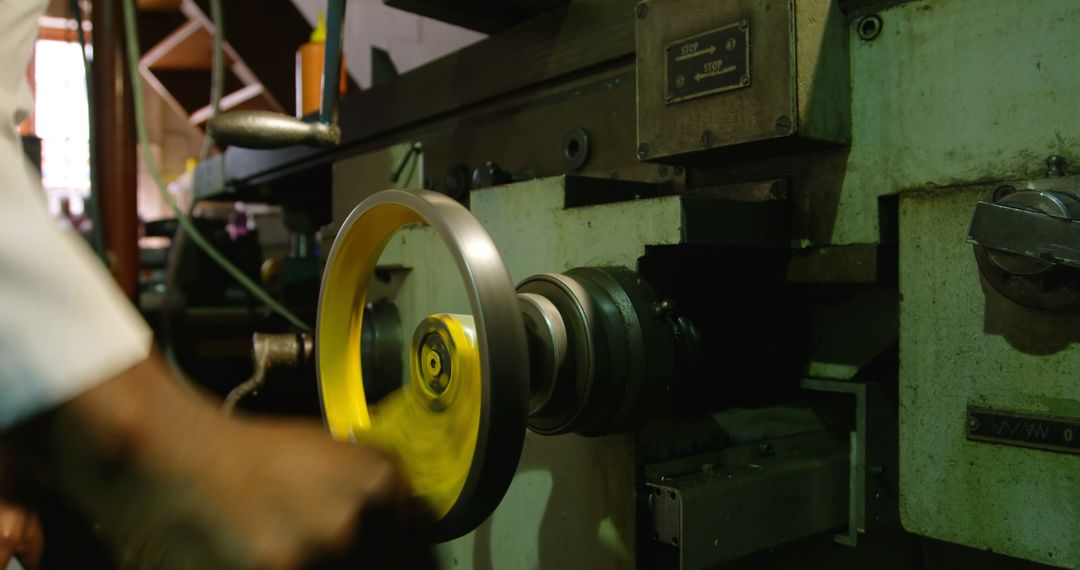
[1027, 243]
[1026, 232]
[267, 129]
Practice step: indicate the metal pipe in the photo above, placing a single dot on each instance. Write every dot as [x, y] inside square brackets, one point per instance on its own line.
[335, 38]
[92, 206]
[116, 166]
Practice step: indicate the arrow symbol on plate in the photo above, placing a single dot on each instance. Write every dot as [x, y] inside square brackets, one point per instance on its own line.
[686, 56]
[701, 76]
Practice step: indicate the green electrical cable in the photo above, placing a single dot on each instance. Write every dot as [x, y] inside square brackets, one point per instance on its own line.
[217, 74]
[131, 37]
[180, 237]
[92, 206]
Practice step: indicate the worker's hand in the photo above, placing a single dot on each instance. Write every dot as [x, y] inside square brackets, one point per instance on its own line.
[20, 529]
[256, 495]
[171, 483]
[20, 536]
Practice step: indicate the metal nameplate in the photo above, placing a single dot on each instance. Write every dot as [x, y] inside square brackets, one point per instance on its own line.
[710, 62]
[1024, 430]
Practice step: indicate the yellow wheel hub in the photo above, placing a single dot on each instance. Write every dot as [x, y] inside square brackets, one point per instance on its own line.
[458, 424]
[432, 424]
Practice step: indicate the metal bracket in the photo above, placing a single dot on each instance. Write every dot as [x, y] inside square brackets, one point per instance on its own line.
[873, 465]
[718, 507]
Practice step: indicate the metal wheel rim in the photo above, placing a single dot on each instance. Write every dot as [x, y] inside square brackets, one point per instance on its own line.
[499, 328]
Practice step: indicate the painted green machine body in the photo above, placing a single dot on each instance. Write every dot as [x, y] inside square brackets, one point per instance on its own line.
[963, 344]
[953, 99]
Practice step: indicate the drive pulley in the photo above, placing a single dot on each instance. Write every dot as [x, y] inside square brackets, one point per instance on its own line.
[586, 351]
[459, 422]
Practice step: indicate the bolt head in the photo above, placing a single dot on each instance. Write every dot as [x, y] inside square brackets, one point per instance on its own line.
[434, 364]
[783, 125]
[1055, 165]
[643, 151]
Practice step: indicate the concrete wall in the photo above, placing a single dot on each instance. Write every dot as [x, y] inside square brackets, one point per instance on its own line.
[411, 40]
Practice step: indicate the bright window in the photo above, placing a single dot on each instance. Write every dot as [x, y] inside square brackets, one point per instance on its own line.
[62, 123]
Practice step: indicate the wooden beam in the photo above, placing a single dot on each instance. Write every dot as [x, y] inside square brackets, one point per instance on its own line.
[158, 5]
[249, 97]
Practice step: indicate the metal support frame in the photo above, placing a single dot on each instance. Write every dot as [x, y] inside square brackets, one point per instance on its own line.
[872, 495]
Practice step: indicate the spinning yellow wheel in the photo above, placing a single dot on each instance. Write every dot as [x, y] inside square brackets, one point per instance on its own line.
[459, 423]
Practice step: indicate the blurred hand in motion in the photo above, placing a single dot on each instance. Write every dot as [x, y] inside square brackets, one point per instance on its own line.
[20, 536]
[173, 484]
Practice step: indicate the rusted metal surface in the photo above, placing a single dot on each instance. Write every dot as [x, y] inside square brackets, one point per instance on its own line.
[717, 75]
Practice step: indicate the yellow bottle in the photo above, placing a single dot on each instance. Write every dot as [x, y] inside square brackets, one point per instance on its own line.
[309, 70]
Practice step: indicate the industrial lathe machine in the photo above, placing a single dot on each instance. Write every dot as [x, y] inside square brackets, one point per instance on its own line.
[698, 283]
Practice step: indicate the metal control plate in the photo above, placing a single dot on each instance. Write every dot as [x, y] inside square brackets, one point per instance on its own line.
[1035, 431]
[707, 63]
[693, 55]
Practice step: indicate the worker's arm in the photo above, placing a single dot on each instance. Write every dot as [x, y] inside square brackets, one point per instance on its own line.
[85, 409]
[64, 326]
[42, 361]
[156, 466]
[172, 483]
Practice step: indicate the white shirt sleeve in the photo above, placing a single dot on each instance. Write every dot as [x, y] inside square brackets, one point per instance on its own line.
[64, 325]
